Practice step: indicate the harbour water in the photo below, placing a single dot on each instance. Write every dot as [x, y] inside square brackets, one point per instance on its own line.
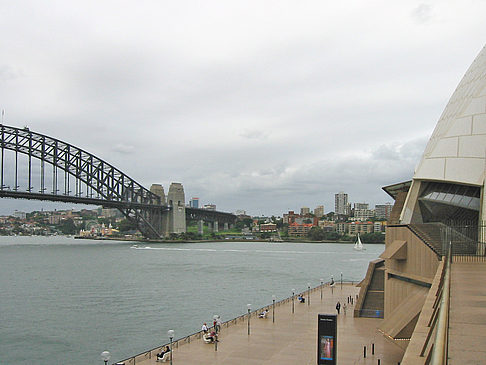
[65, 301]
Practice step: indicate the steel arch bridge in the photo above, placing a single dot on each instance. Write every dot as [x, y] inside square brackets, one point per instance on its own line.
[69, 174]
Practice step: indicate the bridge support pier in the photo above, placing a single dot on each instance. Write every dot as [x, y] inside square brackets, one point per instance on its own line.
[215, 227]
[177, 214]
[225, 226]
[200, 227]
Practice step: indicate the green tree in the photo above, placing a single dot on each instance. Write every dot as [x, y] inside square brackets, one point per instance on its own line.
[67, 226]
[125, 225]
[375, 237]
[316, 234]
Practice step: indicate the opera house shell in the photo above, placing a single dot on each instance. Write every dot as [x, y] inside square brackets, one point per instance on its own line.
[449, 181]
[442, 207]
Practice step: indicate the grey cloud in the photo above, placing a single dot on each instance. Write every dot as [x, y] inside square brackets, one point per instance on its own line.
[123, 148]
[254, 134]
[422, 13]
[8, 73]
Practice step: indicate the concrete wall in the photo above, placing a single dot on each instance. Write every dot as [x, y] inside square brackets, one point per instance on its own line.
[405, 280]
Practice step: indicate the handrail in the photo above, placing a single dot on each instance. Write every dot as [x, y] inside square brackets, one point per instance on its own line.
[440, 349]
[198, 334]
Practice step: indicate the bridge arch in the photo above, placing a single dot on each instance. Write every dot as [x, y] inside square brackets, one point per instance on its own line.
[104, 184]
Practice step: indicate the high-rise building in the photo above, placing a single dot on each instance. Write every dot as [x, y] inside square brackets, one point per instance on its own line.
[304, 211]
[194, 203]
[363, 214]
[361, 206]
[383, 211]
[319, 211]
[340, 203]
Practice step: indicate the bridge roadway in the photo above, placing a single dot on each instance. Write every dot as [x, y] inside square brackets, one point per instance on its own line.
[292, 339]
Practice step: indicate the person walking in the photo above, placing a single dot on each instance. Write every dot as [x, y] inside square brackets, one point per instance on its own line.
[338, 307]
[344, 308]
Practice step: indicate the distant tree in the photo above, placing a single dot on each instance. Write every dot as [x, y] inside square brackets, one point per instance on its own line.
[332, 236]
[375, 237]
[264, 235]
[246, 222]
[67, 226]
[125, 225]
[316, 234]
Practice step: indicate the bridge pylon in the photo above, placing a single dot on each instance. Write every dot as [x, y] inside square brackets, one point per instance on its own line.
[177, 206]
[172, 220]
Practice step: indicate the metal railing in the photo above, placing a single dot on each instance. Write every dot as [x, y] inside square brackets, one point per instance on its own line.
[198, 335]
[371, 313]
[438, 355]
[468, 242]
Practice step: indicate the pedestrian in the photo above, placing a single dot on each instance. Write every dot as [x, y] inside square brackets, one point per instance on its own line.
[218, 324]
[204, 328]
[338, 307]
[344, 308]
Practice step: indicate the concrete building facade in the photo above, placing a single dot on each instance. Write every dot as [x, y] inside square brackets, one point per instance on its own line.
[341, 203]
[319, 211]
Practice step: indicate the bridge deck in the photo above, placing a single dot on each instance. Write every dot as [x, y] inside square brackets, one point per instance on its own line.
[292, 339]
[467, 324]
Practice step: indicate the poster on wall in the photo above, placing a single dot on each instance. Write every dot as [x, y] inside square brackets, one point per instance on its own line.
[327, 339]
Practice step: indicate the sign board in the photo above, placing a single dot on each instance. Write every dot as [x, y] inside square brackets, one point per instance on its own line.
[327, 339]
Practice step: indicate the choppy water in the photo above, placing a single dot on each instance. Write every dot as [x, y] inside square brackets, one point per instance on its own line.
[65, 301]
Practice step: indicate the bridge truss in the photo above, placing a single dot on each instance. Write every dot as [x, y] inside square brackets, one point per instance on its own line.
[46, 168]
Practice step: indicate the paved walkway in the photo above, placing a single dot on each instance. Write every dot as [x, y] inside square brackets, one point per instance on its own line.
[467, 322]
[292, 339]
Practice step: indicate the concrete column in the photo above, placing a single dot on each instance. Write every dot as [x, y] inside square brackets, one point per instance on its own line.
[200, 227]
[226, 226]
[210, 226]
[177, 214]
[216, 228]
[159, 220]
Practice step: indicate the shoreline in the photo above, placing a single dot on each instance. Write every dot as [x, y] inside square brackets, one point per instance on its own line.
[145, 240]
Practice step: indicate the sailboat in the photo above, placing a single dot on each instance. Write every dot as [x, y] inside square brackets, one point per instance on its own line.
[358, 246]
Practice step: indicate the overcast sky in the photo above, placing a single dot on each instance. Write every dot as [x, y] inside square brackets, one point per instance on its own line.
[265, 106]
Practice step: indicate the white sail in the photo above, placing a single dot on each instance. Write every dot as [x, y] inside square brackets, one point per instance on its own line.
[358, 245]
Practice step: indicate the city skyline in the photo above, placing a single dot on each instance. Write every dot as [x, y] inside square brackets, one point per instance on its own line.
[266, 111]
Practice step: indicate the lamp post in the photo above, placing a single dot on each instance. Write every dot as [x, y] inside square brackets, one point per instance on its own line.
[341, 280]
[308, 294]
[249, 309]
[322, 281]
[215, 317]
[273, 308]
[332, 284]
[105, 356]
[170, 333]
[293, 298]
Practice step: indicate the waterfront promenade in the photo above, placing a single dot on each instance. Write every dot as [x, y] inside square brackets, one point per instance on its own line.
[292, 339]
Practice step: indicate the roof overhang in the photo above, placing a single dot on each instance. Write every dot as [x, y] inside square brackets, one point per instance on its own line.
[394, 189]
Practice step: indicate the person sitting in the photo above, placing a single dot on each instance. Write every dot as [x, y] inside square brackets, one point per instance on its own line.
[301, 298]
[263, 314]
[162, 353]
[210, 337]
